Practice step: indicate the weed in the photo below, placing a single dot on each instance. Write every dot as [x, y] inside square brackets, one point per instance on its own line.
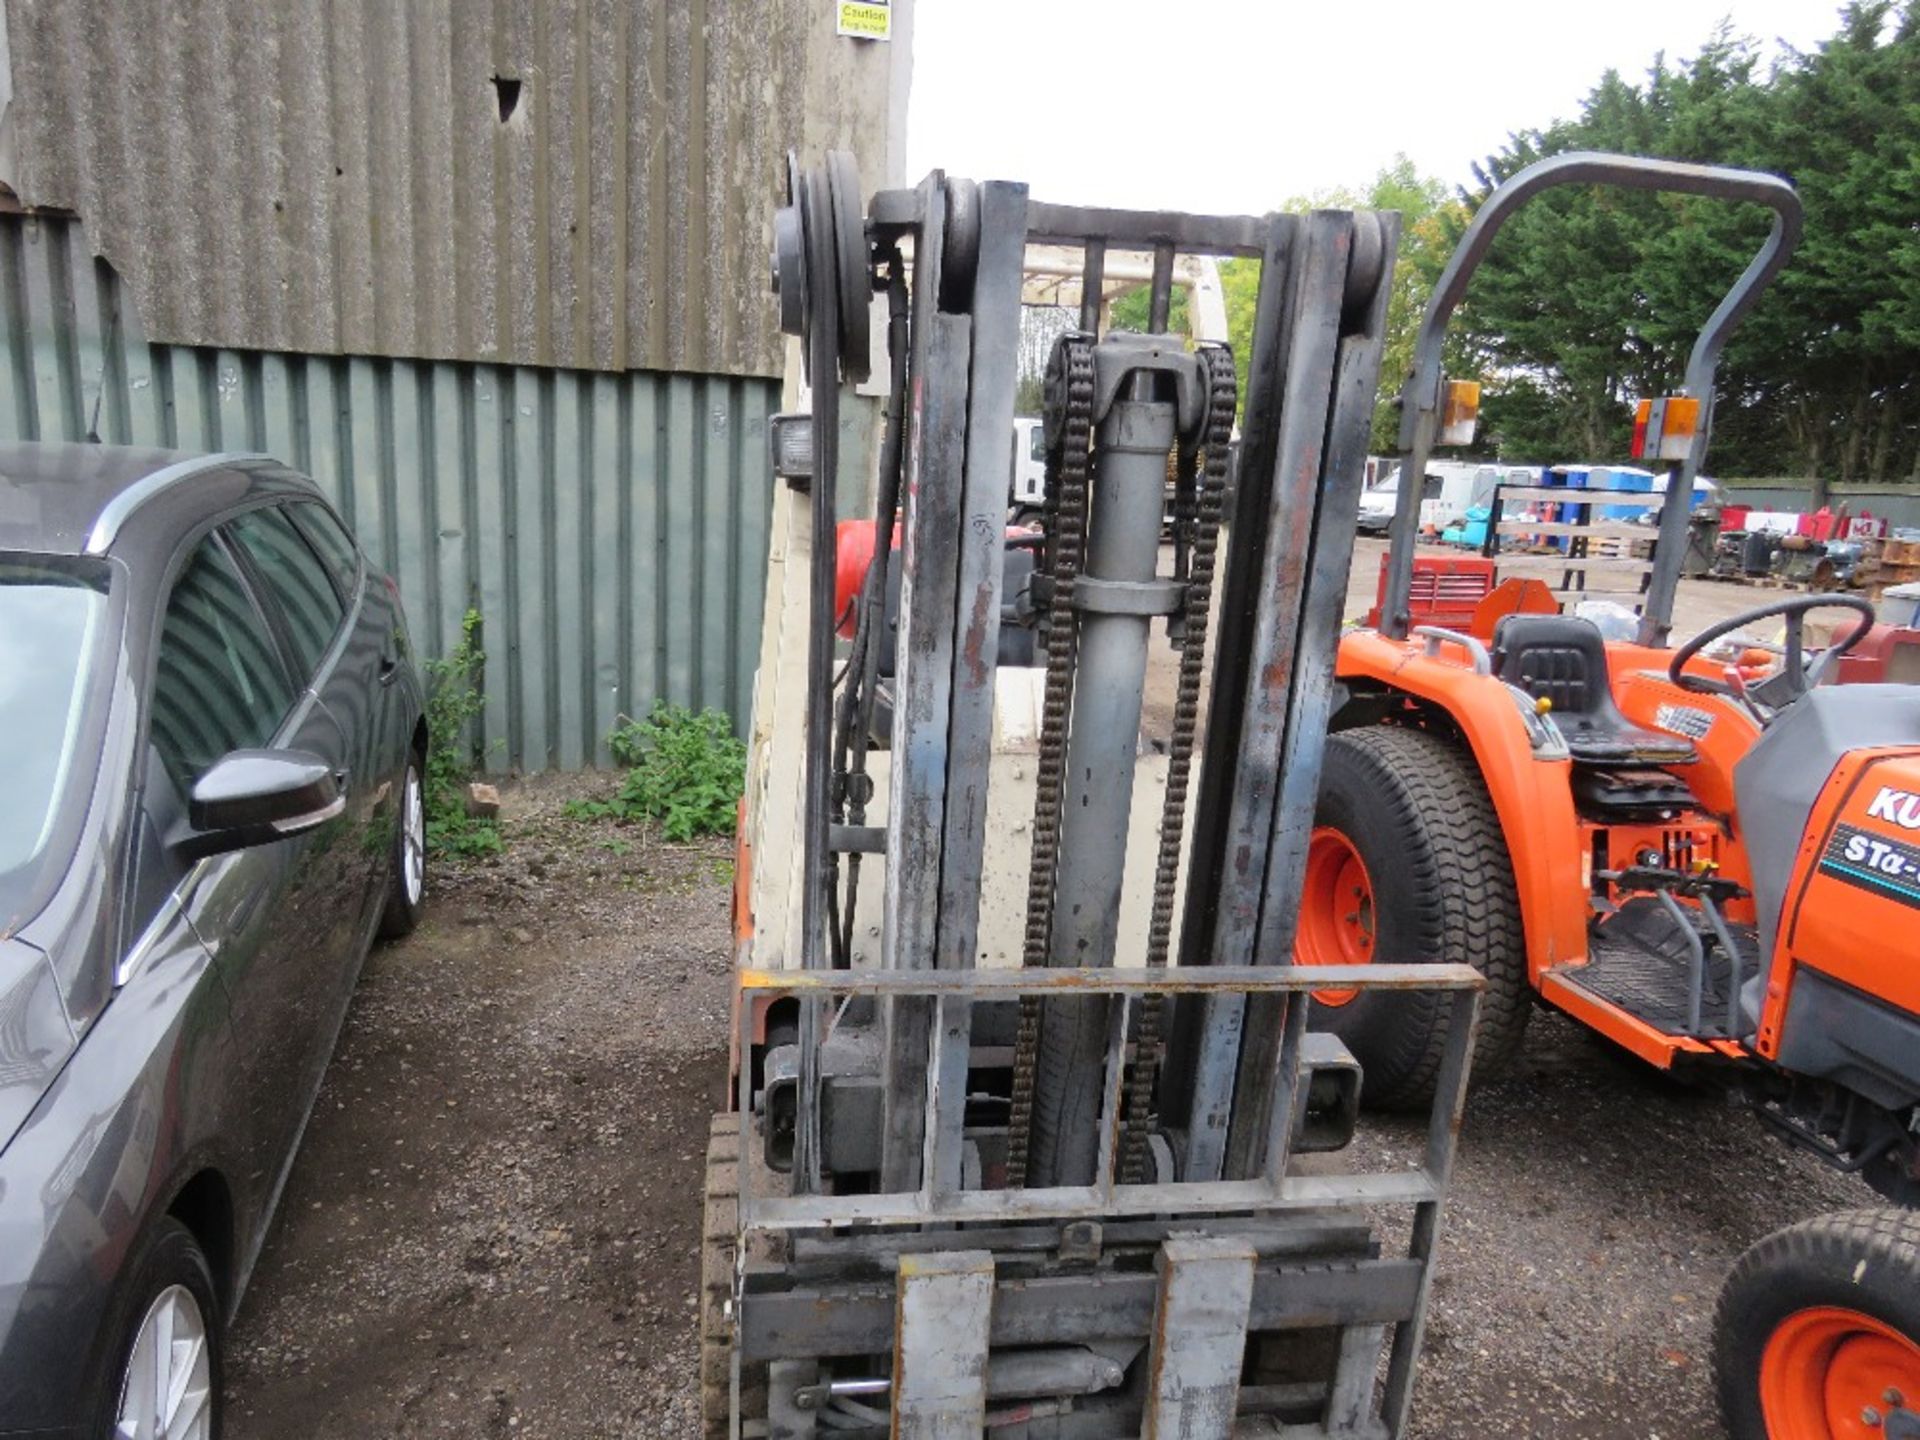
[454, 700]
[685, 769]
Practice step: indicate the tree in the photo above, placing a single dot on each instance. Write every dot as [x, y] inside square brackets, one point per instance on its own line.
[1428, 221]
[1424, 245]
[1591, 298]
[1134, 311]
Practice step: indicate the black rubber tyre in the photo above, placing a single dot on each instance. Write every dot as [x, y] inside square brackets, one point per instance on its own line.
[1414, 807]
[1866, 1262]
[1069, 1090]
[406, 899]
[166, 1256]
[720, 1228]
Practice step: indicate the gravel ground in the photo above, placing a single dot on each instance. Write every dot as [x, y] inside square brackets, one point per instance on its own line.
[492, 1225]
[1597, 1206]
[491, 1229]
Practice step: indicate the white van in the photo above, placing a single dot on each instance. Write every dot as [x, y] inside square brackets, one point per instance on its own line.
[1452, 488]
[1028, 488]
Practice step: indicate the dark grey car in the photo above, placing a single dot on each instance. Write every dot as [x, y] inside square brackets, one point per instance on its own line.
[211, 747]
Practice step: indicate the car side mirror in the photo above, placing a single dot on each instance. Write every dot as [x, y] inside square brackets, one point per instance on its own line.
[255, 797]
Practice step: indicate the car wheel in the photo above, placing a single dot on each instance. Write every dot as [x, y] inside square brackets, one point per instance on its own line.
[164, 1373]
[407, 858]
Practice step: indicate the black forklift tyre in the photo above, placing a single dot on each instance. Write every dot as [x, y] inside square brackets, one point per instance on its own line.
[1412, 806]
[719, 1242]
[1820, 1317]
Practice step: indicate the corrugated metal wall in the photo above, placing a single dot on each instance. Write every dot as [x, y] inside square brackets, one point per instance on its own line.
[611, 529]
[583, 183]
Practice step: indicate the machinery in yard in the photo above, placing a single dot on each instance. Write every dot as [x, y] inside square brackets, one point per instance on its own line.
[1715, 867]
[996, 1164]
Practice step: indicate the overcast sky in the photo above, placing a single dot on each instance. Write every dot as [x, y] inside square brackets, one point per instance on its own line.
[1236, 105]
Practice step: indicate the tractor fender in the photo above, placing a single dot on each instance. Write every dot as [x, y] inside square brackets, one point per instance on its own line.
[1533, 797]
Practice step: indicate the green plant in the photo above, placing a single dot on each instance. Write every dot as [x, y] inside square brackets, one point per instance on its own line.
[685, 769]
[454, 700]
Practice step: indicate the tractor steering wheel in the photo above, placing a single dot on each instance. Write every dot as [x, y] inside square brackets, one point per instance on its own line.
[1795, 677]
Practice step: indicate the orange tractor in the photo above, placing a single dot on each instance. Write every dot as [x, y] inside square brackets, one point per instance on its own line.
[1714, 865]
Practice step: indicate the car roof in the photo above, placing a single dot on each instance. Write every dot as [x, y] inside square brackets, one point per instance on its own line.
[75, 499]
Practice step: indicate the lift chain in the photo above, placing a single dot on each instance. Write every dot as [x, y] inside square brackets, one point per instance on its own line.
[1069, 460]
[1221, 395]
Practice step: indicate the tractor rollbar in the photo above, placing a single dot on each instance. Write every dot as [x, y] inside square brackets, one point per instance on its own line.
[1421, 399]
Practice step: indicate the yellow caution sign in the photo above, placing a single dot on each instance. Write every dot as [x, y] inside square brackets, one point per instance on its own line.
[866, 19]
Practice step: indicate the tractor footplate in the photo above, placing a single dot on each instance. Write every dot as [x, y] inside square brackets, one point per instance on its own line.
[1638, 960]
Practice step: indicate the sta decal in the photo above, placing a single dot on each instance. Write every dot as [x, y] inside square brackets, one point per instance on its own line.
[1879, 855]
[1901, 807]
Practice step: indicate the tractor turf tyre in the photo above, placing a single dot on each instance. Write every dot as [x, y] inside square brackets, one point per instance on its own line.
[1862, 1261]
[719, 1239]
[1415, 808]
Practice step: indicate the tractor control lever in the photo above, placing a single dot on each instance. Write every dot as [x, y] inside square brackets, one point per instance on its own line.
[1693, 884]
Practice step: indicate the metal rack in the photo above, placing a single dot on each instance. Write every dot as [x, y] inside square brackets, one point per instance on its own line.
[1570, 575]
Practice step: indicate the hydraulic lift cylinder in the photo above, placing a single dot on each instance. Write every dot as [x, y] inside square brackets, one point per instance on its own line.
[1126, 500]
[1104, 740]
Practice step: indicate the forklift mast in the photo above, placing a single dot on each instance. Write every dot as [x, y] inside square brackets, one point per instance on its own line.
[1424, 399]
[1069, 1198]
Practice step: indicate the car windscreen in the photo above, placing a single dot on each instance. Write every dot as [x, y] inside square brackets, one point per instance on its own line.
[53, 612]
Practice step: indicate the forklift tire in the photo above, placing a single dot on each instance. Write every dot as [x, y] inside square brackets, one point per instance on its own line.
[1410, 805]
[719, 1240]
[1817, 1333]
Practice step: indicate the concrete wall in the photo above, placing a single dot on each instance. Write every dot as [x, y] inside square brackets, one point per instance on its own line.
[611, 529]
[574, 183]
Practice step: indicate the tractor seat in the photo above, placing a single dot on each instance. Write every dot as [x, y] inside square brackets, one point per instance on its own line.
[1563, 659]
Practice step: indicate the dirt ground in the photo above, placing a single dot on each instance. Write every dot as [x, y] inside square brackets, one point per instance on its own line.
[491, 1229]
[492, 1225]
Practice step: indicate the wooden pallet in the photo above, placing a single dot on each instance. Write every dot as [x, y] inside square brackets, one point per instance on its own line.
[1904, 553]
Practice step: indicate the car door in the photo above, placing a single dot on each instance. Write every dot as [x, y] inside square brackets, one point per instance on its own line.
[222, 682]
[341, 725]
[365, 681]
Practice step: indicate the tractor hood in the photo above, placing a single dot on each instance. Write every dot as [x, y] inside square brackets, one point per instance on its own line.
[35, 1039]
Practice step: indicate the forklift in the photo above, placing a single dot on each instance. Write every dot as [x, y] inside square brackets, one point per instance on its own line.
[1712, 862]
[1057, 1159]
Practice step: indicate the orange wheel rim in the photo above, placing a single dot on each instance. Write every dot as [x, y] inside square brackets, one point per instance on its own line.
[1829, 1373]
[1336, 909]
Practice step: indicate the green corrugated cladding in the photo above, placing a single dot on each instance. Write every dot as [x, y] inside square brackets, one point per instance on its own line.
[611, 528]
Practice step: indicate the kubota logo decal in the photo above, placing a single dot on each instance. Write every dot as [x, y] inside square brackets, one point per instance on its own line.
[1902, 807]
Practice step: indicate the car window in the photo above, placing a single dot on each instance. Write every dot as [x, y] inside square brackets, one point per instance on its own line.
[337, 550]
[1037, 443]
[298, 582]
[218, 683]
[52, 614]
[1430, 487]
